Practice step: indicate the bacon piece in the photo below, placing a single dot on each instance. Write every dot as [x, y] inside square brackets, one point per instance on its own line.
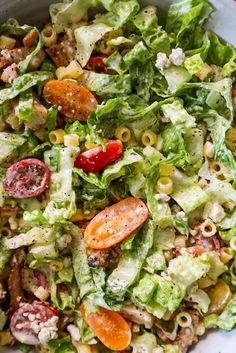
[30, 38]
[3, 62]
[62, 53]
[57, 55]
[10, 73]
[15, 55]
[187, 336]
[14, 281]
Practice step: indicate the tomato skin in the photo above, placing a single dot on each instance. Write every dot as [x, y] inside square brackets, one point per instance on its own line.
[20, 324]
[22, 177]
[97, 63]
[115, 223]
[110, 327]
[75, 101]
[96, 159]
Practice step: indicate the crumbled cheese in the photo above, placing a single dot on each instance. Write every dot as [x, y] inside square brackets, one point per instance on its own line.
[182, 215]
[47, 330]
[162, 197]
[193, 232]
[214, 211]
[158, 350]
[64, 241]
[162, 62]
[177, 56]
[74, 332]
[31, 317]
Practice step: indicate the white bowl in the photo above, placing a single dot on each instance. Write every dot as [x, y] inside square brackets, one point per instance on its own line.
[223, 23]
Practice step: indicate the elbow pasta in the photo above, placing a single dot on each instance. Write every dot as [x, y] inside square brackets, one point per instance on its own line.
[149, 138]
[56, 137]
[71, 140]
[73, 71]
[49, 35]
[7, 42]
[208, 228]
[219, 170]
[184, 319]
[165, 185]
[123, 134]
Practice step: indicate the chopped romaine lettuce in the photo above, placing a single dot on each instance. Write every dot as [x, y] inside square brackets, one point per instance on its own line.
[186, 270]
[144, 344]
[23, 83]
[61, 204]
[153, 34]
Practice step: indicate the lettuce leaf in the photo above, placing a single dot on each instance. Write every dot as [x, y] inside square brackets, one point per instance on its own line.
[86, 38]
[130, 264]
[61, 206]
[154, 36]
[145, 343]
[185, 270]
[220, 53]
[184, 17]
[9, 145]
[26, 109]
[23, 83]
[63, 15]
[104, 84]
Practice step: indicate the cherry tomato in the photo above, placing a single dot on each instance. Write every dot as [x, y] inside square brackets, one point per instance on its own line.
[21, 321]
[97, 63]
[27, 178]
[96, 159]
[110, 327]
[74, 100]
[115, 223]
[220, 295]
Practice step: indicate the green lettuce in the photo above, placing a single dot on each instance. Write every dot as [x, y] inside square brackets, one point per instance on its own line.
[130, 264]
[23, 83]
[189, 196]
[36, 235]
[153, 34]
[185, 270]
[9, 145]
[63, 15]
[104, 84]
[61, 204]
[145, 343]
[176, 113]
[5, 254]
[184, 17]
[26, 106]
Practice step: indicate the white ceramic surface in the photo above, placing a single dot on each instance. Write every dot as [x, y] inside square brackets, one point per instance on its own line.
[224, 24]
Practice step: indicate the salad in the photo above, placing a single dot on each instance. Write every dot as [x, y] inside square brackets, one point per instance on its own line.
[117, 179]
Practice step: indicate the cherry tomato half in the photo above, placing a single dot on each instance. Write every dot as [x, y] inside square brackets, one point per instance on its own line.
[21, 324]
[74, 100]
[115, 223]
[220, 295]
[110, 327]
[97, 63]
[96, 159]
[27, 178]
